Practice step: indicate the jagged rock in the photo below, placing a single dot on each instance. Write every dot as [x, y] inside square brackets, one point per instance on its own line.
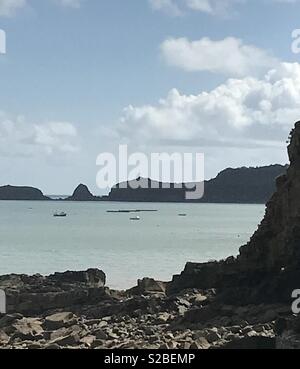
[92, 277]
[59, 320]
[163, 317]
[70, 340]
[27, 328]
[212, 335]
[8, 319]
[251, 343]
[52, 346]
[100, 334]
[88, 340]
[200, 344]
[148, 286]
[200, 315]
[3, 337]
[288, 332]
[82, 193]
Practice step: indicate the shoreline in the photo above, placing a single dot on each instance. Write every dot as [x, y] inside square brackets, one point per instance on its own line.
[138, 202]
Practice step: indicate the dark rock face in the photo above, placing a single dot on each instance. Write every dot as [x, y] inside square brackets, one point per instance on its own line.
[21, 193]
[242, 185]
[252, 343]
[275, 245]
[288, 332]
[82, 193]
[92, 277]
[268, 267]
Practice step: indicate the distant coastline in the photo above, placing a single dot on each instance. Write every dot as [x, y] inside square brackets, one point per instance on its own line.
[58, 197]
[241, 185]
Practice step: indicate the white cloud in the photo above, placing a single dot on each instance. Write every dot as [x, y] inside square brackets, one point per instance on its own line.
[246, 113]
[228, 56]
[20, 138]
[9, 7]
[179, 7]
[212, 7]
[167, 6]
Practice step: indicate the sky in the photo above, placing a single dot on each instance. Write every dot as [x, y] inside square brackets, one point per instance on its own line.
[79, 77]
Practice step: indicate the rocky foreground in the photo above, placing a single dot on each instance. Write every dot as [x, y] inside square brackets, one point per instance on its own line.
[243, 302]
[74, 309]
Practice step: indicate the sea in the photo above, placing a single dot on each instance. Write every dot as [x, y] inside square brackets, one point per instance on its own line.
[158, 245]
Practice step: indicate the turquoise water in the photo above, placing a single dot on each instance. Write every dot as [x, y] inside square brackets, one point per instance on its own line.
[33, 241]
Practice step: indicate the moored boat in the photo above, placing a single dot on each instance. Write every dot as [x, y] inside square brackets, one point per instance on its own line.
[60, 214]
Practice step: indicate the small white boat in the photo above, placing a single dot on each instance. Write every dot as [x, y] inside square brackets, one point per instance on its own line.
[135, 218]
[60, 214]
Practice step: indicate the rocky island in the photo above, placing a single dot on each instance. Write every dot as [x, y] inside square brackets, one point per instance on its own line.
[240, 185]
[21, 193]
[242, 302]
[82, 193]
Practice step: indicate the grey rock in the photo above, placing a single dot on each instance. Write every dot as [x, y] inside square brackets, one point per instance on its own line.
[59, 320]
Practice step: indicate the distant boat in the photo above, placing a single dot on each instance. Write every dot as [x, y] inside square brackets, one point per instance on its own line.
[61, 214]
[135, 218]
[182, 215]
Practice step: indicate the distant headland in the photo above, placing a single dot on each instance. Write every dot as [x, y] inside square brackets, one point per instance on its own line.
[241, 185]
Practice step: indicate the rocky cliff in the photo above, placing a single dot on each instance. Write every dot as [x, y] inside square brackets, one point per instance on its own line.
[267, 269]
[275, 245]
[241, 185]
[21, 193]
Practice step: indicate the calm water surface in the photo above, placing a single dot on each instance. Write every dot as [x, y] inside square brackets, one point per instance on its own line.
[159, 245]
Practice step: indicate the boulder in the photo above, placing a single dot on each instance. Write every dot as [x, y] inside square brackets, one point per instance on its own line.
[59, 320]
[148, 286]
[27, 329]
[93, 278]
[251, 343]
[70, 340]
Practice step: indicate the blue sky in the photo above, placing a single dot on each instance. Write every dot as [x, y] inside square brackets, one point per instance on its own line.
[72, 67]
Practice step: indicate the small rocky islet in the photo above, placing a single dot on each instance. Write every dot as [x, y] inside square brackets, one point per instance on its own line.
[243, 302]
